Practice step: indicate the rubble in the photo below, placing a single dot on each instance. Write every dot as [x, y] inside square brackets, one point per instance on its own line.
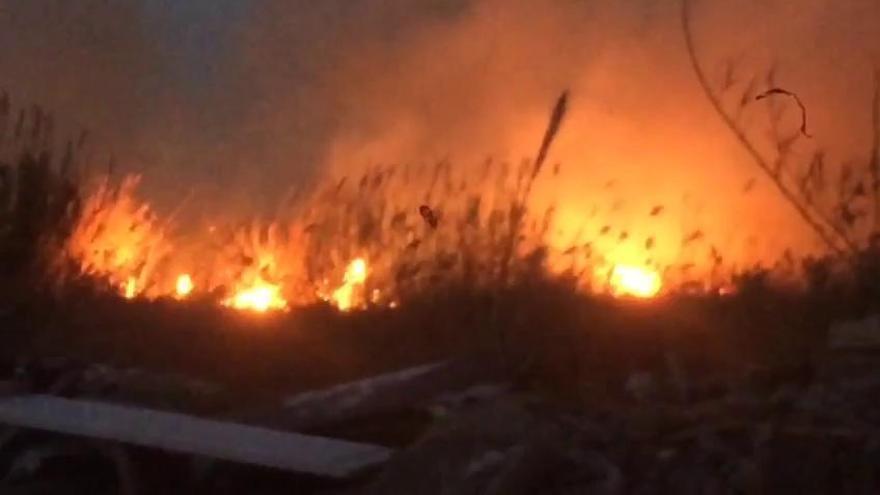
[762, 430]
[389, 392]
[861, 334]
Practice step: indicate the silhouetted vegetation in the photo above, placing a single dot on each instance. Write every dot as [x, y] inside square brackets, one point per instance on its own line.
[39, 191]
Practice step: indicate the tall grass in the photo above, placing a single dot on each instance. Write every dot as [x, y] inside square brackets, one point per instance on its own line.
[840, 202]
[483, 232]
[478, 240]
[39, 190]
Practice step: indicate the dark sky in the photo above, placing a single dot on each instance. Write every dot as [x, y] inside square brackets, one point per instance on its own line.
[199, 32]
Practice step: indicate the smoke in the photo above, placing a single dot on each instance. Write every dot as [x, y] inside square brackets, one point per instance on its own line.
[393, 84]
[272, 94]
[84, 61]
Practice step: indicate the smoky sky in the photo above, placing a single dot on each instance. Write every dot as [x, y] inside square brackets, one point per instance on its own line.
[234, 102]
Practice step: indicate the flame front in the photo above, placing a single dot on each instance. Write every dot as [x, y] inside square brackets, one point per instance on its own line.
[628, 280]
[305, 258]
[260, 297]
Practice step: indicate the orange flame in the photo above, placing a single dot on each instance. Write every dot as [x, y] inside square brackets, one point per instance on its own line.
[117, 237]
[184, 286]
[129, 290]
[283, 264]
[629, 280]
[260, 297]
[345, 297]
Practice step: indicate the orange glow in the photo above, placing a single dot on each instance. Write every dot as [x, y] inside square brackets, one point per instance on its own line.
[346, 296]
[627, 280]
[184, 286]
[260, 297]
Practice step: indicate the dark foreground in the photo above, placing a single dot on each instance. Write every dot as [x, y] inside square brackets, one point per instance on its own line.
[531, 390]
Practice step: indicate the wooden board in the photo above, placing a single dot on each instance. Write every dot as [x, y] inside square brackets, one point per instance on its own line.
[187, 434]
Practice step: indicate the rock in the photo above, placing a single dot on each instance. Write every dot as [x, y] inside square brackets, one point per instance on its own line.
[853, 358]
[477, 394]
[499, 448]
[861, 334]
[641, 386]
[677, 376]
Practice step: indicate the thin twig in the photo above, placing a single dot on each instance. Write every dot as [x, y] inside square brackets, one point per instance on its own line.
[780, 91]
[875, 149]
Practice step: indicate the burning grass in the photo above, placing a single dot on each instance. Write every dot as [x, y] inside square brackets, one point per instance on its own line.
[382, 240]
[392, 234]
[395, 233]
[119, 239]
[352, 245]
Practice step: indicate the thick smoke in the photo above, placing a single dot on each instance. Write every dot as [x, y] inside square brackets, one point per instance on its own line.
[283, 92]
[464, 80]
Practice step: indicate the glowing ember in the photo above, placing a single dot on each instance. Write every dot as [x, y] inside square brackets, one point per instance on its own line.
[726, 290]
[635, 281]
[261, 297]
[184, 286]
[355, 276]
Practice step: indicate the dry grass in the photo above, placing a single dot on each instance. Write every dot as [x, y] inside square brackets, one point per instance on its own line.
[840, 202]
[39, 192]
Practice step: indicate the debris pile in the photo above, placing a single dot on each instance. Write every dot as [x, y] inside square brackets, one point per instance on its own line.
[459, 426]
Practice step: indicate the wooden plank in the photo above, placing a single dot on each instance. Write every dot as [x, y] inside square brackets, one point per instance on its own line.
[187, 434]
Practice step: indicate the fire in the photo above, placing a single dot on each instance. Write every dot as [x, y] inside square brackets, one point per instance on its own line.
[345, 296]
[260, 297]
[299, 261]
[184, 286]
[118, 237]
[129, 290]
[629, 280]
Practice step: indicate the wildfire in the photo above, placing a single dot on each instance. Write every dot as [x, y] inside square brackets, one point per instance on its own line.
[260, 297]
[184, 286]
[628, 280]
[355, 275]
[268, 267]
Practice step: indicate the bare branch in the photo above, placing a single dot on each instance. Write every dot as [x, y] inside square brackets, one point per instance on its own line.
[806, 211]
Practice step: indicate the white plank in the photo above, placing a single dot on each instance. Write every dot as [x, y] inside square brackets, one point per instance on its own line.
[192, 435]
